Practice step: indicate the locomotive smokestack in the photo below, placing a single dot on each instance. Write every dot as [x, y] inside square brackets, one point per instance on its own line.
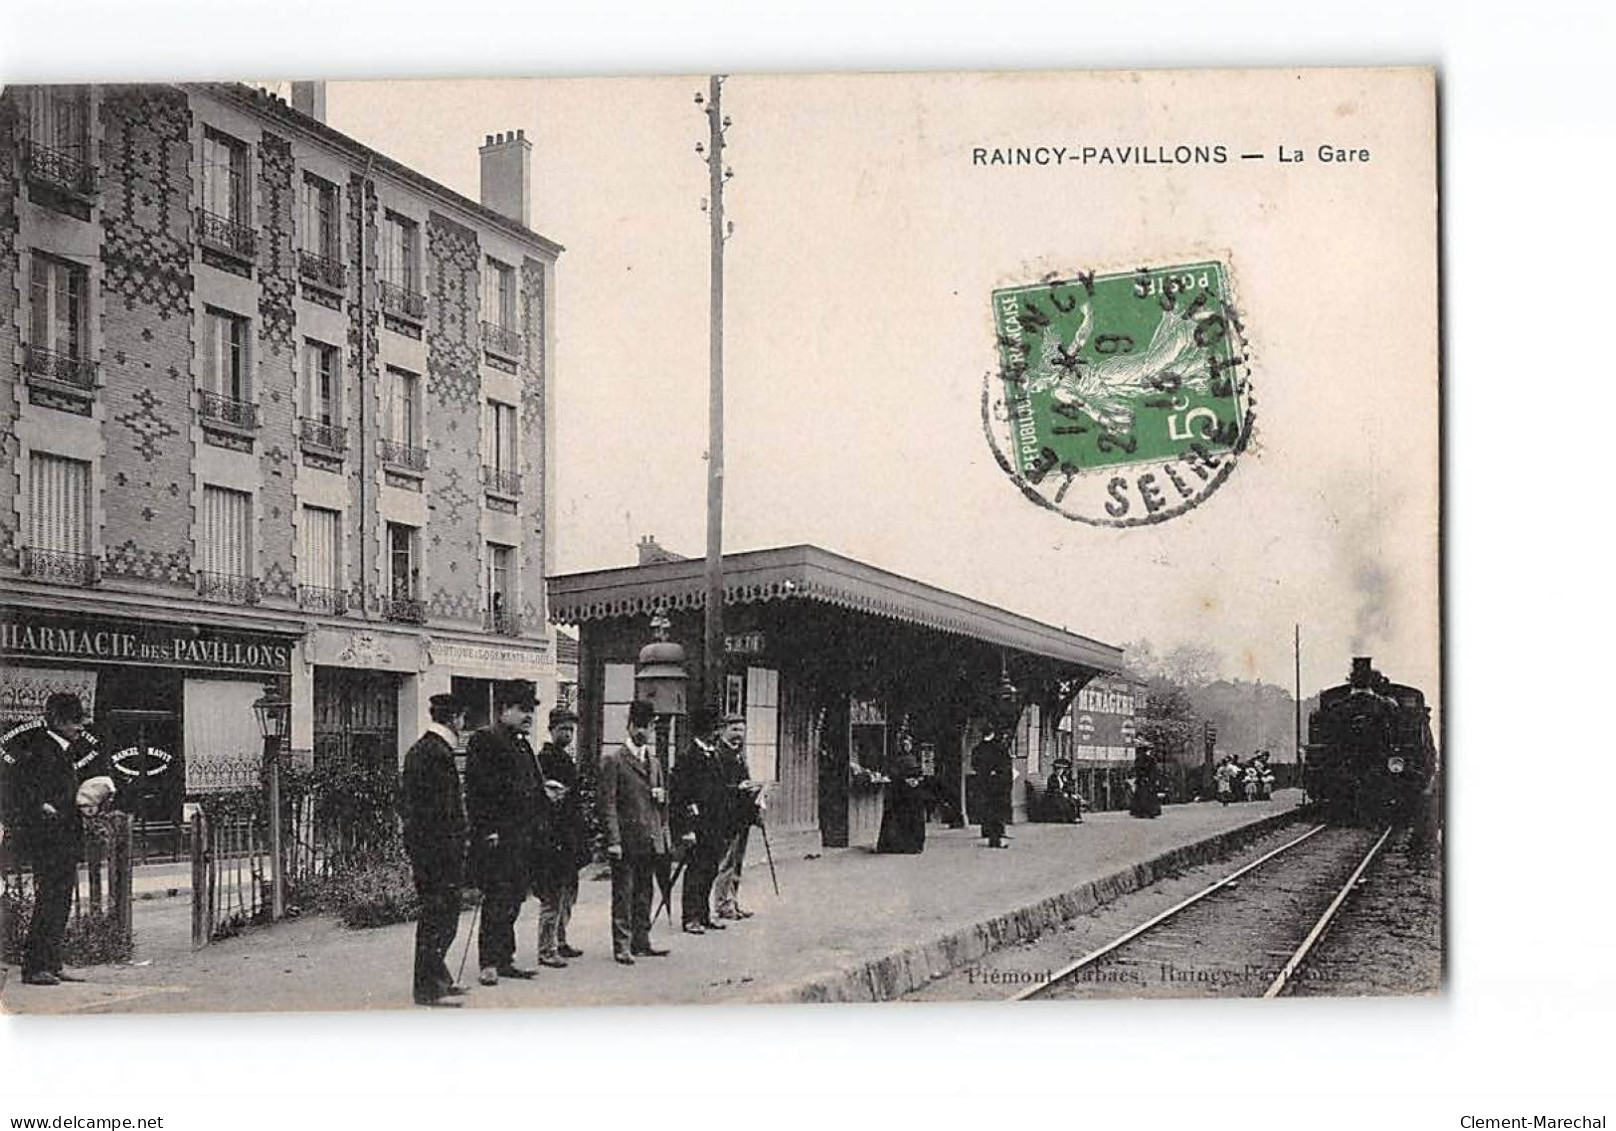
[1362, 671]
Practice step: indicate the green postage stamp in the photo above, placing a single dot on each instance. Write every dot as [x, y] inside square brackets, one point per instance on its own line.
[1125, 398]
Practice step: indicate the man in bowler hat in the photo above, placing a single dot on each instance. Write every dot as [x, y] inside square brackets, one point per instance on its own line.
[699, 813]
[564, 844]
[632, 801]
[504, 807]
[46, 765]
[435, 839]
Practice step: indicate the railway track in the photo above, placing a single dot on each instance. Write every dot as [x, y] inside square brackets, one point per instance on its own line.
[1246, 935]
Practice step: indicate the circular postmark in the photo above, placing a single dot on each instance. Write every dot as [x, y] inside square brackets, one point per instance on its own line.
[1121, 399]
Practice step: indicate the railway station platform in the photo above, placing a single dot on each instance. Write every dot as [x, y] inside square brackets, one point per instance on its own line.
[849, 925]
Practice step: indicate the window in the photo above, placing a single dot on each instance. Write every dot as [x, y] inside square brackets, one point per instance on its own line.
[499, 294]
[319, 563]
[400, 244]
[1033, 743]
[225, 189]
[762, 723]
[401, 553]
[58, 514]
[59, 307]
[59, 120]
[501, 613]
[224, 355]
[322, 234]
[226, 549]
[403, 407]
[321, 381]
[619, 692]
[501, 433]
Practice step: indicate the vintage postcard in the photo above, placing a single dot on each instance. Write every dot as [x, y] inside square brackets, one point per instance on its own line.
[758, 538]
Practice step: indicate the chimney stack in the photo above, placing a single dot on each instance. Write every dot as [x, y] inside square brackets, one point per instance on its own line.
[309, 98]
[507, 174]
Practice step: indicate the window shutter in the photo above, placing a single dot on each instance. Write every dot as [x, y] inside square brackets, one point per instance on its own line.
[321, 528]
[59, 491]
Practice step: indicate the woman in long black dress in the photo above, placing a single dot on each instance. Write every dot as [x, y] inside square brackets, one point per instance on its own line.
[994, 775]
[1145, 801]
[903, 822]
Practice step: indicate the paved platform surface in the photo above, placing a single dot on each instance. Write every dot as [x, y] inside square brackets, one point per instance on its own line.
[849, 925]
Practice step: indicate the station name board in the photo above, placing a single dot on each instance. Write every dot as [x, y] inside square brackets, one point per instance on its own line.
[43, 636]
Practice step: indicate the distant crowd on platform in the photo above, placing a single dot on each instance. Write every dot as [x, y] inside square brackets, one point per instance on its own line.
[1252, 780]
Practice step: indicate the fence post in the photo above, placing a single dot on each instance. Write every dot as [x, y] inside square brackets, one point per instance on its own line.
[201, 897]
[94, 854]
[277, 861]
[121, 875]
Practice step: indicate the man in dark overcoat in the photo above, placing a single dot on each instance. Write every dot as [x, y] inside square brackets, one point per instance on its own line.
[995, 773]
[45, 766]
[435, 839]
[699, 805]
[505, 807]
[633, 802]
[564, 841]
[745, 807]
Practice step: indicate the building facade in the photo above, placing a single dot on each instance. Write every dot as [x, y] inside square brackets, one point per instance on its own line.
[274, 407]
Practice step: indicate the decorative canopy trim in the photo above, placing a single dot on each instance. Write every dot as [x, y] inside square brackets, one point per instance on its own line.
[808, 573]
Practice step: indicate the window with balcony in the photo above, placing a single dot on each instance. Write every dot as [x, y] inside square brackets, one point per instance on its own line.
[321, 426]
[319, 562]
[225, 220]
[320, 258]
[56, 148]
[500, 476]
[58, 325]
[402, 601]
[226, 372]
[58, 546]
[501, 612]
[401, 290]
[225, 553]
[501, 337]
[402, 448]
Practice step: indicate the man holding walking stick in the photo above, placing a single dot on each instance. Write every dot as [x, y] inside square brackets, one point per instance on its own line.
[435, 839]
[745, 810]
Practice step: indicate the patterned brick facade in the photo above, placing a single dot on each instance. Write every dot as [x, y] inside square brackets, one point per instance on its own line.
[277, 366]
[146, 335]
[362, 379]
[533, 416]
[10, 348]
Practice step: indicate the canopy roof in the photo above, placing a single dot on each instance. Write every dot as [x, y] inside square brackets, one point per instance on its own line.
[808, 573]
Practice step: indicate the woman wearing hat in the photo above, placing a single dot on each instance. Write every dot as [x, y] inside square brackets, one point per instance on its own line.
[903, 816]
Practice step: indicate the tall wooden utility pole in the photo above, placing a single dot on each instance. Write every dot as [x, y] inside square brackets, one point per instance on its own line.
[713, 636]
[1301, 755]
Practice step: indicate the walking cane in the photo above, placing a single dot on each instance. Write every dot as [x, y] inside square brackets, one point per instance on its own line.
[471, 932]
[667, 892]
[768, 854]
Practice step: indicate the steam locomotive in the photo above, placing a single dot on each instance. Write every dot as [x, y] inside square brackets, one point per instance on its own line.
[1370, 756]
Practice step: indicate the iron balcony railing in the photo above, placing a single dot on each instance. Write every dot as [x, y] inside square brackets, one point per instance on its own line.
[228, 410]
[502, 621]
[322, 270]
[502, 340]
[60, 566]
[502, 482]
[57, 169]
[400, 454]
[318, 434]
[321, 600]
[226, 234]
[232, 588]
[401, 302]
[61, 367]
[409, 610]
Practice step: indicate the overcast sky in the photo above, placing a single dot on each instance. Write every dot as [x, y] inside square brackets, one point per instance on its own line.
[859, 332]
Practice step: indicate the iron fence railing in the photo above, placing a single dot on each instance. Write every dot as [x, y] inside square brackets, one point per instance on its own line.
[409, 610]
[322, 600]
[225, 234]
[228, 410]
[502, 340]
[60, 566]
[401, 302]
[502, 481]
[65, 368]
[231, 587]
[322, 270]
[505, 622]
[400, 454]
[57, 169]
[319, 434]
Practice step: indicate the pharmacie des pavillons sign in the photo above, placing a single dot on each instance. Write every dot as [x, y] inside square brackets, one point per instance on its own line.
[104, 640]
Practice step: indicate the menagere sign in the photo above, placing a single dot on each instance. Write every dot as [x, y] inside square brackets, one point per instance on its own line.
[105, 640]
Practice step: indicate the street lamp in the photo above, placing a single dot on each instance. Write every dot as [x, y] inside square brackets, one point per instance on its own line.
[274, 713]
[660, 677]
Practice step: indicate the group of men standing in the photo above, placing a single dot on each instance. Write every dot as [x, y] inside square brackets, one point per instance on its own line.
[524, 827]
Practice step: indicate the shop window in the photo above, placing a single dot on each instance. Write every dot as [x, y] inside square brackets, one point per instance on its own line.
[762, 723]
[867, 724]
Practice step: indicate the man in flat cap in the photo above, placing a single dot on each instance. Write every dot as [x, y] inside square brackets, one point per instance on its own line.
[504, 804]
[435, 839]
[745, 809]
[564, 844]
[634, 825]
[55, 776]
[699, 804]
